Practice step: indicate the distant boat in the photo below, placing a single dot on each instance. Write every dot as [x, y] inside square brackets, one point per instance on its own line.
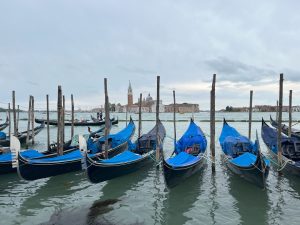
[133, 158]
[290, 149]
[78, 123]
[243, 157]
[188, 156]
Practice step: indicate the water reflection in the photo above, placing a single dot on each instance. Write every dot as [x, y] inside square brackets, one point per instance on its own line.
[181, 199]
[251, 201]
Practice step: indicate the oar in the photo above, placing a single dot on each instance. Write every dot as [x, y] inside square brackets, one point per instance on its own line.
[15, 147]
[83, 151]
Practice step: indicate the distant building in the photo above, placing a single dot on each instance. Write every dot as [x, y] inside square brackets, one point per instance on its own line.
[129, 96]
[182, 108]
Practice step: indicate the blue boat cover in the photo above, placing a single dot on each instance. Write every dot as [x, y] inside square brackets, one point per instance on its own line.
[30, 153]
[126, 156]
[192, 136]
[182, 159]
[2, 135]
[116, 139]
[233, 143]
[74, 155]
[247, 159]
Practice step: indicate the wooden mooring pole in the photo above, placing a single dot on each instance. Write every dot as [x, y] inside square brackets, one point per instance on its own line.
[48, 126]
[28, 122]
[72, 108]
[63, 119]
[9, 120]
[250, 115]
[212, 121]
[290, 112]
[32, 120]
[157, 120]
[174, 118]
[18, 118]
[14, 112]
[107, 119]
[279, 148]
[59, 122]
[140, 117]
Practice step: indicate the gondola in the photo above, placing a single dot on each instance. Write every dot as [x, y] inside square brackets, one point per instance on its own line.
[290, 149]
[188, 156]
[32, 169]
[78, 123]
[4, 125]
[285, 129]
[138, 155]
[22, 136]
[243, 157]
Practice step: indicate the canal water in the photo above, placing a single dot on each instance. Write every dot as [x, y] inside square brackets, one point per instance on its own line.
[142, 197]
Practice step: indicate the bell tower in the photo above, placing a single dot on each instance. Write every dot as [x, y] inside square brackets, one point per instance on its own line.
[130, 97]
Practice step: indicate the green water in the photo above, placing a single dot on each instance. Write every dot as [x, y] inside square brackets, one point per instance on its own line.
[142, 197]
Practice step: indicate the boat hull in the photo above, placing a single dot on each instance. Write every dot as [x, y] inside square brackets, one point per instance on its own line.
[6, 167]
[255, 174]
[174, 176]
[34, 171]
[99, 172]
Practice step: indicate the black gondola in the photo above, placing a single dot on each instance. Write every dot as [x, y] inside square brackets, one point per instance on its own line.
[138, 155]
[22, 136]
[188, 156]
[243, 157]
[285, 129]
[45, 166]
[4, 125]
[290, 149]
[78, 123]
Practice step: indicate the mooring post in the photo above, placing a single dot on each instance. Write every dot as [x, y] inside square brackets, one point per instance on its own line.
[18, 118]
[72, 108]
[277, 109]
[63, 119]
[9, 120]
[107, 119]
[14, 112]
[212, 121]
[32, 119]
[28, 122]
[140, 117]
[157, 120]
[290, 112]
[174, 118]
[250, 115]
[48, 126]
[279, 148]
[59, 122]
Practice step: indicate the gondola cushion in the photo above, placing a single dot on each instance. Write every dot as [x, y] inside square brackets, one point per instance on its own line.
[245, 160]
[30, 153]
[182, 159]
[2, 136]
[126, 156]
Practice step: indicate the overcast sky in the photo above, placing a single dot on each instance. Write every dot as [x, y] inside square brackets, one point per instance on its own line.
[78, 43]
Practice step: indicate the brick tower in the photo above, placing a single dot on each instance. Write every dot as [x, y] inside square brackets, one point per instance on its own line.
[130, 97]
